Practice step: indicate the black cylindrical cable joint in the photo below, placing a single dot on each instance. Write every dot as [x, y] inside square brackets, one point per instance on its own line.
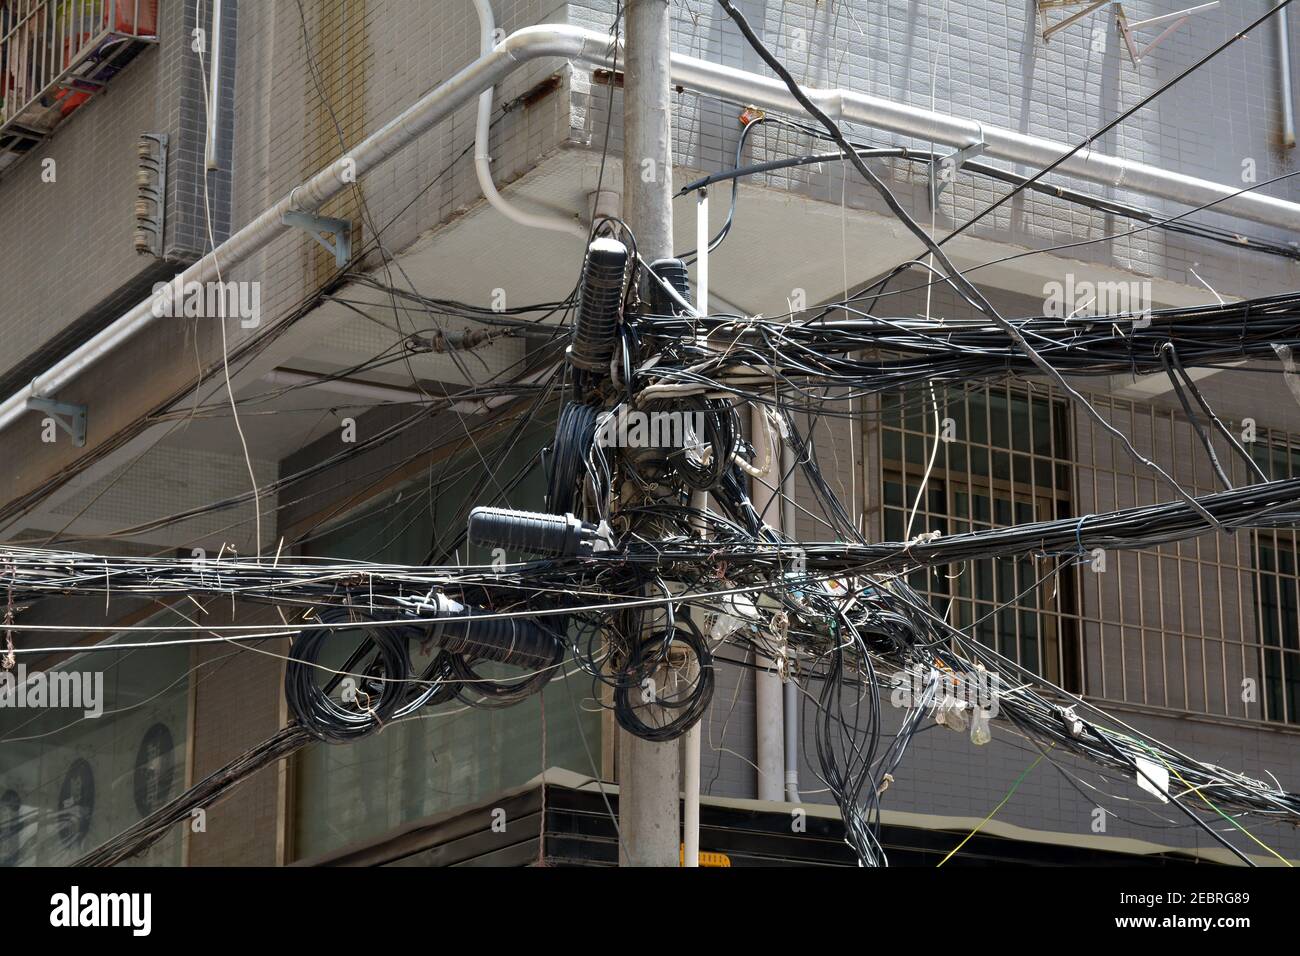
[531, 532]
[672, 271]
[596, 326]
[509, 640]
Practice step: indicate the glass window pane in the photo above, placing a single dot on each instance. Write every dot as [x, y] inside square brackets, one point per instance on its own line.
[69, 782]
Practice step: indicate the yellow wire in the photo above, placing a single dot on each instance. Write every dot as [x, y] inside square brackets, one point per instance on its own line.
[993, 812]
[1197, 791]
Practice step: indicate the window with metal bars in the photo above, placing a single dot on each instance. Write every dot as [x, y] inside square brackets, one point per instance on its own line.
[1277, 590]
[964, 459]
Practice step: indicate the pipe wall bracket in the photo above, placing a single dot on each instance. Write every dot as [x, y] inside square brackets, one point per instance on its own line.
[71, 418]
[318, 227]
[944, 169]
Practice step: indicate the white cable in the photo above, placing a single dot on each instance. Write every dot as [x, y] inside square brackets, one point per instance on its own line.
[482, 160]
[938, 426]
[221, 317]
[934, 453]
[756, 470]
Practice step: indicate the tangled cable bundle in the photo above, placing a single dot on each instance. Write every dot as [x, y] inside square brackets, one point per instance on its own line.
[638, 586]
[650, 658]
[1270, 504]
[656, 556]
[574, 434]
[386, 690]
[737, 356]
[366, 705]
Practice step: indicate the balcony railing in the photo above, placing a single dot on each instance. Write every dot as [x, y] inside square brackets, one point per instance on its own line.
[56, 54]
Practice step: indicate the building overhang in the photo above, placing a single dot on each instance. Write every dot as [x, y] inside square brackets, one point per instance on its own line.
[780, 238]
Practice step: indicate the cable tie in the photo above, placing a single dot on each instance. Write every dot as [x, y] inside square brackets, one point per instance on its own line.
[1078, 534]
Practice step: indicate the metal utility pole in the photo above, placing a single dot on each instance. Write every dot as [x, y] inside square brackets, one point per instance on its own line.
[648, 773]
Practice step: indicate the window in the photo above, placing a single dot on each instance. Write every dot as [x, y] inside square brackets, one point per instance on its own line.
[1169, 627]
[1277, 576]
[69, 782]
[1002, 458]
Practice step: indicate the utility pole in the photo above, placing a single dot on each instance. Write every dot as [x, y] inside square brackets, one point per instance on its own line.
[769, 695]
[648, 772]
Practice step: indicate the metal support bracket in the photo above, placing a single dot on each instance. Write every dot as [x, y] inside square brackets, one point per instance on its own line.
[151, 194]
[1175, 20]
[944, 169]
[318, 227]
[71, 418]
[1049, 29]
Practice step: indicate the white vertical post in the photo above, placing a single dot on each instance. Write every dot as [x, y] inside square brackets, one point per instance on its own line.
[214, 85]
[702, 251]
[699, 500]
[691, 796]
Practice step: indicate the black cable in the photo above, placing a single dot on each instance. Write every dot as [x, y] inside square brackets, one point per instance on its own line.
[362, 710]
[963, 284]
[1214, 419]
[1166, 351]
[1214, 834]
[574, 434]
[651, 656]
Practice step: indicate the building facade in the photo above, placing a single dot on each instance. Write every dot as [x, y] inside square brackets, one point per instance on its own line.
[330, 363]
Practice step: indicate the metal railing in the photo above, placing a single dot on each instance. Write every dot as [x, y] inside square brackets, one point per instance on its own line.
[56, 54]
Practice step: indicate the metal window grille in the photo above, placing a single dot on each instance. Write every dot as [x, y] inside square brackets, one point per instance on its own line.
[1002, 457]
